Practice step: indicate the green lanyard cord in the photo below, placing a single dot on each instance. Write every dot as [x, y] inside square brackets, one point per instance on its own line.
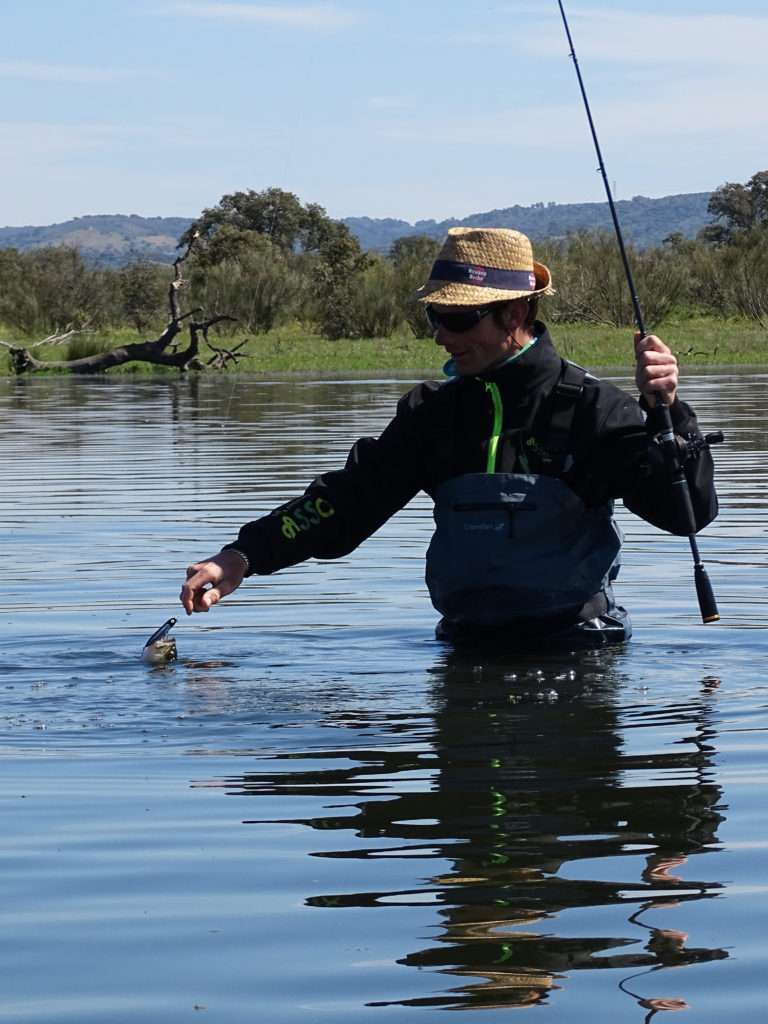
[498, 417]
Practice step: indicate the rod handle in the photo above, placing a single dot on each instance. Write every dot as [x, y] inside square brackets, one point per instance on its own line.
[705, 594]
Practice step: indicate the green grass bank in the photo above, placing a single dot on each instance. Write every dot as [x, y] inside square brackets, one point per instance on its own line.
[293, 349]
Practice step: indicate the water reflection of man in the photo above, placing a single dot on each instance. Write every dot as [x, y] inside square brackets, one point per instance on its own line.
[522, 452]
[530, 782]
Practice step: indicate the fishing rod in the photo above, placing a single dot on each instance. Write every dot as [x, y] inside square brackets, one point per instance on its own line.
[666, 434]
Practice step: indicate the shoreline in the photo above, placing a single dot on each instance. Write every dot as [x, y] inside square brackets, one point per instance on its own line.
[697, 343]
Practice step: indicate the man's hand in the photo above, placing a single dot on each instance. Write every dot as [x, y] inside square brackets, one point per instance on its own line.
[656, 369]
[210, 580]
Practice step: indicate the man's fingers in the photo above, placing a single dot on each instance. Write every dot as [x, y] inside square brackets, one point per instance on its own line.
[206, 583]
[205, 597]
[657, 381]
[223, 587]
[199, 579]
[650, 343]
[656, 371]
[651, 357]
[660, 372]
[188, 597]
[198, 598]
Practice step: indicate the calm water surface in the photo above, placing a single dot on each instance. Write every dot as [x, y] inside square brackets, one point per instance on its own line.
[320, 813]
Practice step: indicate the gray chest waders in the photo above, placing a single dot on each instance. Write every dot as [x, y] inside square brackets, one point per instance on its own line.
[511, 547]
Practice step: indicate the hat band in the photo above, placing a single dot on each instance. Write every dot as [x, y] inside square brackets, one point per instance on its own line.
[483, 277]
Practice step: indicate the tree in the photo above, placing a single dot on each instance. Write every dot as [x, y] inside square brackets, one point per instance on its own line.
[277, 216]
[13, 294]
[337, 272]
[745, 275]
[414, 249]
[739, 208]
[412, 257]
[592, 286]
[45, 288]
[372, 309]
[297, 238]
[161, 351]
[143, 286]
[260, 287]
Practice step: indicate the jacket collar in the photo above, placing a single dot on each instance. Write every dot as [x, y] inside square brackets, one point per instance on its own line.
[535, 368]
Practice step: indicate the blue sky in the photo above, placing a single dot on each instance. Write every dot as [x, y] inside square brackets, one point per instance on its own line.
[428, 108]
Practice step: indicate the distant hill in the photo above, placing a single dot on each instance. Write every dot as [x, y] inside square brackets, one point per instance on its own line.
[114, 239]
[111, 239]
[643, 221]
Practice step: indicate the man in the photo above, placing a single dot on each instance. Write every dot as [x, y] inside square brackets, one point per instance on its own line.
[522, 452]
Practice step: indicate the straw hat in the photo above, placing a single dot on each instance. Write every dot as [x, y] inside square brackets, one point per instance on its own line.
[480, 265]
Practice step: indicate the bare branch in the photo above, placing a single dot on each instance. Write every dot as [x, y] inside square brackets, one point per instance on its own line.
[160, 351]
[178, 281]
[57, 338]
[222, 356]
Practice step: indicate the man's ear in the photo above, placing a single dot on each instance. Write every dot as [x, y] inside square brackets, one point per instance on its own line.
[514, 314]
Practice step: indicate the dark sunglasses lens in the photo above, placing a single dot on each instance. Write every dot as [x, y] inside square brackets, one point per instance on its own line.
[457, 323]
[432, 318]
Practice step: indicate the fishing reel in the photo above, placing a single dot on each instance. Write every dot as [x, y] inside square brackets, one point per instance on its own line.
[693, 445]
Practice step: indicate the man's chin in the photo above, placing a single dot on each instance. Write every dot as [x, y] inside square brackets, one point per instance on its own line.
[463, 366]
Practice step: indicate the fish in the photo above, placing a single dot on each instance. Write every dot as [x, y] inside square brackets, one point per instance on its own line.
[160, 648]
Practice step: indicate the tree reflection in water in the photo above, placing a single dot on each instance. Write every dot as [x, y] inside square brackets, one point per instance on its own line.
[525, 778]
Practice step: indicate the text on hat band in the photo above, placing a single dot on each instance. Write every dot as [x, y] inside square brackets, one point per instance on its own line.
[483, 277]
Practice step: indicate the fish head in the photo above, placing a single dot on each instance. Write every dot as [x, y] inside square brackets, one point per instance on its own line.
[160, 652]
[161, 647]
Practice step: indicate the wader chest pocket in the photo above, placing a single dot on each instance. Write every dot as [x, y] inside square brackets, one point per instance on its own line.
[511, 506]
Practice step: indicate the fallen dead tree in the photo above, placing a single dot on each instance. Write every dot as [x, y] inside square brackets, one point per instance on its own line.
[197, 354]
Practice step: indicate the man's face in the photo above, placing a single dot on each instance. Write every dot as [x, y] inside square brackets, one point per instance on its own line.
[481, 347]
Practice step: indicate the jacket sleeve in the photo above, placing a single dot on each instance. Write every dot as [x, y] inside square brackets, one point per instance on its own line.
[342, 508]
[627, 462]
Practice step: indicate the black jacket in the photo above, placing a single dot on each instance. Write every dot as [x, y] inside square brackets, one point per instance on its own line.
[442, 430]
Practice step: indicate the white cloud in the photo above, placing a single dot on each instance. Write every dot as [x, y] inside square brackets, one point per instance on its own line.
[661, 118]
[320, 16]
[38, 71]
[495, 129]
[54, 139]
[698, 109]
[629, 37]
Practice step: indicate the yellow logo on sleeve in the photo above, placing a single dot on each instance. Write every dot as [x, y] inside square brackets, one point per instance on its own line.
[304, 514]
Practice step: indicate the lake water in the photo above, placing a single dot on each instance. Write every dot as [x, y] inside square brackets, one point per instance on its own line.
[320, 813]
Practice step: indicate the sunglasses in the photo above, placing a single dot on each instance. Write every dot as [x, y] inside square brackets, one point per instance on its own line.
[457, 323]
